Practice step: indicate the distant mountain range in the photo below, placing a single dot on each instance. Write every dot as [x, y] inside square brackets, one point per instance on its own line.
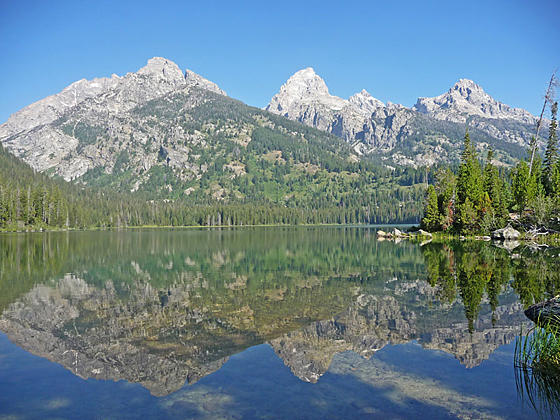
[427, 133]
[168, 130]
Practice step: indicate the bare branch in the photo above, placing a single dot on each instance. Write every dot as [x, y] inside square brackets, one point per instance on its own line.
[548, 98]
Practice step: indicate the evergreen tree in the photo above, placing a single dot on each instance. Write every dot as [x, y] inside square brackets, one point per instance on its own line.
[494, 187]
[520, 185]
[432, 217]
[491, 184]
[555, 181]
[467, 220]
[469, 183]
[446, 185]
[469, 187]
[551, 153]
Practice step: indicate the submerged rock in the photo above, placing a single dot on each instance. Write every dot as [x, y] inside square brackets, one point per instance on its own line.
[507, 233]
[544, 313]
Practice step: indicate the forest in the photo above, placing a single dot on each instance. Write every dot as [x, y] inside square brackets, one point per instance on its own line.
[34, 201]
[481, 197]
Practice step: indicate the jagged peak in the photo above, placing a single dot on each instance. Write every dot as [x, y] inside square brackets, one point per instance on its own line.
[466, 83]
[365, 101]
[305, 82]
[166, 69]
[306, 73]
[195, 79]
[466, 88]
[466, 98]
[304, 87]
[362, 94]
[161, 67]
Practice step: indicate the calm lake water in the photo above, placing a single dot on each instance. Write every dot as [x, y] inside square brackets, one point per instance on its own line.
[296, 323]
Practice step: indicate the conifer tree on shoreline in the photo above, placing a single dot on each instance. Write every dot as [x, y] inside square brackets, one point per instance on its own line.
[484, 198]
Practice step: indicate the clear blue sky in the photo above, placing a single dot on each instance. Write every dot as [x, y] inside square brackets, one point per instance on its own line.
[396, 50]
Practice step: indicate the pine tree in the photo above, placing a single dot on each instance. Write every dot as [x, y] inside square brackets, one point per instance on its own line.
[467, 217]
[555, 180]
[469, 187]
[446, 185]
[469, 183]
[521, 186]
[551, 153]
[494, 187]
[432, 217]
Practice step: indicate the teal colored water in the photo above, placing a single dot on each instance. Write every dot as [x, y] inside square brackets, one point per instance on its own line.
[307, 323]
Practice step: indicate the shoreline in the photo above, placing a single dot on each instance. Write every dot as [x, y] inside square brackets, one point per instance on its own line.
[549, 240]
[123, 228]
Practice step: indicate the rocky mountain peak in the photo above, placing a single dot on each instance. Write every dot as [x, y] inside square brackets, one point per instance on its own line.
[470, 91]
[365, 102]
[158, 77]
[305, 84]
[304, 88]
[466, 84]
[162, 68]
[466, 99]
[34, 133]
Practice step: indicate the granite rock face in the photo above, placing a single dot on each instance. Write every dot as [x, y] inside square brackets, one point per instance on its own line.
[48, 133]
[407, 136]
[306, 98]
[467, 99]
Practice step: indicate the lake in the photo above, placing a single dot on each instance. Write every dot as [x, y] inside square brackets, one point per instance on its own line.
[299, 323]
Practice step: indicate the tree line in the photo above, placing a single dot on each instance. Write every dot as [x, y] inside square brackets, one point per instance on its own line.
[480, 197]
[30, 200]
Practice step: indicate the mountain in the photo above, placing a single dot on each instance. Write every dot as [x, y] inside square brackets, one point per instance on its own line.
[425, 134]
[47, 135]
[164, 134]
[169, 135]
[467, 99]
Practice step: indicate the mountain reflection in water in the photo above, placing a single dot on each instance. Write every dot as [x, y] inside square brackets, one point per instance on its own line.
[162, 308]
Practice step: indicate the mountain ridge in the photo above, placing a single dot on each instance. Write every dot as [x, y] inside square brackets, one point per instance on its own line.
[162, 135]
[172, 134]
[373, 127]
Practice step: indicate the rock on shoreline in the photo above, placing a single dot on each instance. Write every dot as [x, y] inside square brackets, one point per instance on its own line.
[545, 313]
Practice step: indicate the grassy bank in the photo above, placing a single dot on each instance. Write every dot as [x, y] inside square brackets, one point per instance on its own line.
[537, 373]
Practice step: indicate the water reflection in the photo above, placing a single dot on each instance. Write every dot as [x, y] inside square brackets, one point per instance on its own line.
[540, 389]
[162, 308]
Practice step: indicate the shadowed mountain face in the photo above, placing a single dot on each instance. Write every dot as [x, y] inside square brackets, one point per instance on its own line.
[163, 308]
